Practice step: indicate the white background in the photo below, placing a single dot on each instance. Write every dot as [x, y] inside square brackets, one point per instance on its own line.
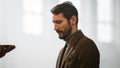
[37, 46]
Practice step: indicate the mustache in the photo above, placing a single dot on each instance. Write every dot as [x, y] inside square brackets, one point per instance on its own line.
[59, 31]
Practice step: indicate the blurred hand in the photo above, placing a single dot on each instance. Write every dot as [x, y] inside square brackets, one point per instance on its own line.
[5, 49]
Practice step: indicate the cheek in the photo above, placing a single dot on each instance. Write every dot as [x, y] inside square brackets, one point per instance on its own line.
[63, 27]
[67, 27]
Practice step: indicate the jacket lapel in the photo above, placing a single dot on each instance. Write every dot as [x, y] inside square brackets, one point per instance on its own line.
[70, 49]
[60, 57]
[73, 41]
[58, 60]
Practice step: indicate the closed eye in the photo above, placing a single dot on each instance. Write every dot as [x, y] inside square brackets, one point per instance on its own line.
[58, 21]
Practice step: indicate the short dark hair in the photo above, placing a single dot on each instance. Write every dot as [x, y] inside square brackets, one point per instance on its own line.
[67, 8]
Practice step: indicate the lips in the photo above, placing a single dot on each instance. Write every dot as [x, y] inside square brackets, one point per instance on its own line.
[59, 32]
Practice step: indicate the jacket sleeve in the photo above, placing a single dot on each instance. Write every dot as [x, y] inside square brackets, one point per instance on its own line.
[89, 55]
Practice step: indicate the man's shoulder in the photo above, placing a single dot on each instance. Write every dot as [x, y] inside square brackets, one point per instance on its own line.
[85, 40]
[85, 43]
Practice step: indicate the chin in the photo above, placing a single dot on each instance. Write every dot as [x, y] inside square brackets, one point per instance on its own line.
[62, 37]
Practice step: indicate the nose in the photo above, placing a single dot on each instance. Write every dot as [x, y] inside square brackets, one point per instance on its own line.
[55, 27]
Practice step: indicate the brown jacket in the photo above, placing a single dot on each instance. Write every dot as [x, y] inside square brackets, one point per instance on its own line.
[82, 53]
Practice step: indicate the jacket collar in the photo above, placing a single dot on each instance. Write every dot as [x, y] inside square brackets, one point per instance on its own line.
[71, 41]
[73, 38]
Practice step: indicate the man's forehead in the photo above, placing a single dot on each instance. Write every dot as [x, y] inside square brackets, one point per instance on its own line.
[58, 16]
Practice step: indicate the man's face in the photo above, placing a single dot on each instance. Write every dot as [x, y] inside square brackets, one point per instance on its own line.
[61, 25]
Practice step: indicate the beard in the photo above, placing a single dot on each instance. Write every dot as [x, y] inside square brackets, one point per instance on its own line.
[64, 33]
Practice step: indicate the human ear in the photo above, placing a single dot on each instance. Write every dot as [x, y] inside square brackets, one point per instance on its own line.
[73, 20]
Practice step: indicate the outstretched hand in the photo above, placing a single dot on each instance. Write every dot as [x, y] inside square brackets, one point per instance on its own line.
[5, 49]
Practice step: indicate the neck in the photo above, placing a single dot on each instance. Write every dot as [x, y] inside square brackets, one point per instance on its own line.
[70, 35]
[74, 30]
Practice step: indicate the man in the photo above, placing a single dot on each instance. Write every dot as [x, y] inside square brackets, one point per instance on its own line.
[5, 49]
[79, 51]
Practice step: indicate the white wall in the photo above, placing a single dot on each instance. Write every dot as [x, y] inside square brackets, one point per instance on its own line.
[31, 51]
[41, 51]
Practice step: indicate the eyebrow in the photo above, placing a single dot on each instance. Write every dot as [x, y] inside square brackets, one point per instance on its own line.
[57, 20]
